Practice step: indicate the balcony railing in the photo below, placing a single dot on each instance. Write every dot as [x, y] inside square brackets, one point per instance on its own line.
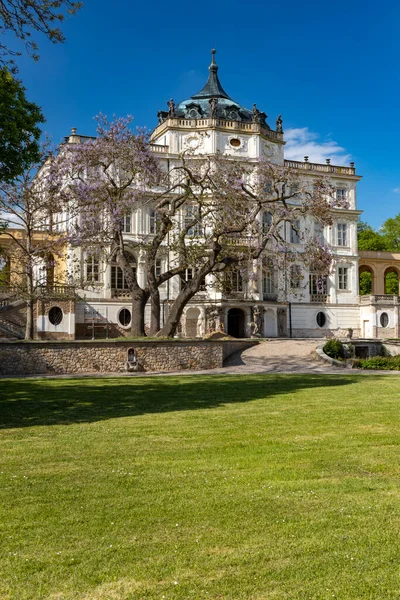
[307, 166]
[158, 149]
[223, 124]
[270, 297]
[380, 299]
[56, 290]
[319, 298]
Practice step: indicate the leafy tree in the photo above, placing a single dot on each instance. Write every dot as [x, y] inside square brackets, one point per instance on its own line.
[391, 232]
[208, 211]
[22, 17]
[31, 240]
[19, 131]
[368, 239]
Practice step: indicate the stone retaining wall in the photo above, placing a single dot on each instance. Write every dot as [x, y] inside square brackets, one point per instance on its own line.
[35, 358]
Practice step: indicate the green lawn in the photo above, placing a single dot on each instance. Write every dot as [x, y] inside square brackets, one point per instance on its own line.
[219, 487]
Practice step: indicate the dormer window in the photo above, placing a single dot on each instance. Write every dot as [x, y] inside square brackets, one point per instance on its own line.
[232, 115]
[193, 111]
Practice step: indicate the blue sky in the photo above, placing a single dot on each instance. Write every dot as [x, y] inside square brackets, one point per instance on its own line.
[330, 68]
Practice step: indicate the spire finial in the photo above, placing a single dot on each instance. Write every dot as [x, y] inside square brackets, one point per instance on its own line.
[213, 66]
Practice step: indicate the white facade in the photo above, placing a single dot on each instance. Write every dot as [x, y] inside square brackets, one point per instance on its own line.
[275, 308]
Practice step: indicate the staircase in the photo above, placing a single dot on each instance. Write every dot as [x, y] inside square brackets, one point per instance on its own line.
[9, 328]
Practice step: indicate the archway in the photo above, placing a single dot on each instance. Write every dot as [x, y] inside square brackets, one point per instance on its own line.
[236, 320]
[391, 278]
[366, 280]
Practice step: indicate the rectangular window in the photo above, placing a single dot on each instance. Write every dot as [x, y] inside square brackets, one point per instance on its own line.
[318, 233]
[341, 194]
[127, 223]
[233, 280]
[266, 222]
[295, 276]
[158, 267]
[92, 269]
[269, 282]
[192, 220]
[342, 234]
[343, 278]
[295, 232]
[318, 285]
[152, 221]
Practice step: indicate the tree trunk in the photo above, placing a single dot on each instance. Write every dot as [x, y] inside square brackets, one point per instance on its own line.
[139, 300]
[29, 329]
[179, 304]
[155, 316]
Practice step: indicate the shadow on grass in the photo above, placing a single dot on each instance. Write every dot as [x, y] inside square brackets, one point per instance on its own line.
[32, 402]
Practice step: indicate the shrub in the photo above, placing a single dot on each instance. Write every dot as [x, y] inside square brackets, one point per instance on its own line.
[334, 348]
[384, 363]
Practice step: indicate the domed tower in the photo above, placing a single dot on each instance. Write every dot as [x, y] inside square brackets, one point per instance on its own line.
[210, 121]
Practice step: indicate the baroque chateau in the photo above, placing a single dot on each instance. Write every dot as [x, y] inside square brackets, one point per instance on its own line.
[289, 301]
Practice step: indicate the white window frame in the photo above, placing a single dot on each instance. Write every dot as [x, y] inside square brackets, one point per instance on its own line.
[341, 194]
[343, 279]
[92, 264]
[127, 223]
[342, 235]
[295, 235]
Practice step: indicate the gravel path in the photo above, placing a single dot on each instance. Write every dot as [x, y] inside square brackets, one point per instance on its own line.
[281, 356]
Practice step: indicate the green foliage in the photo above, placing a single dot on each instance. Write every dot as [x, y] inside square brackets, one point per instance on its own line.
[391, 232]
[392, 284]
[365, 283]
[334, 348]
[264, 486]
[19, 131]
[387, 363]
[368, 239]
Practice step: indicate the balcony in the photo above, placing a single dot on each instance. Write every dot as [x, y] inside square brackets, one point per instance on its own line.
[319, 298]
[270, 297]
[57, 290]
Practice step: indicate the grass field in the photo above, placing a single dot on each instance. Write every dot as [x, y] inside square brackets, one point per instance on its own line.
[219, 487]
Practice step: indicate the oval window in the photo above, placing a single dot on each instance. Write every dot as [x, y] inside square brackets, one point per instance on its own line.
[55, 315]
[384, 319]
[235, 142]
[321, 319]
[124, 317]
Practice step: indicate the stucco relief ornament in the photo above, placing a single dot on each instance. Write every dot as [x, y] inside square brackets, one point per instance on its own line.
[193, 141]
[269, 150]
[233, 146]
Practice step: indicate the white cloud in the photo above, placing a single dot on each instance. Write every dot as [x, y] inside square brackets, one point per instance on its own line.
[301, 142]
[397, 190]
